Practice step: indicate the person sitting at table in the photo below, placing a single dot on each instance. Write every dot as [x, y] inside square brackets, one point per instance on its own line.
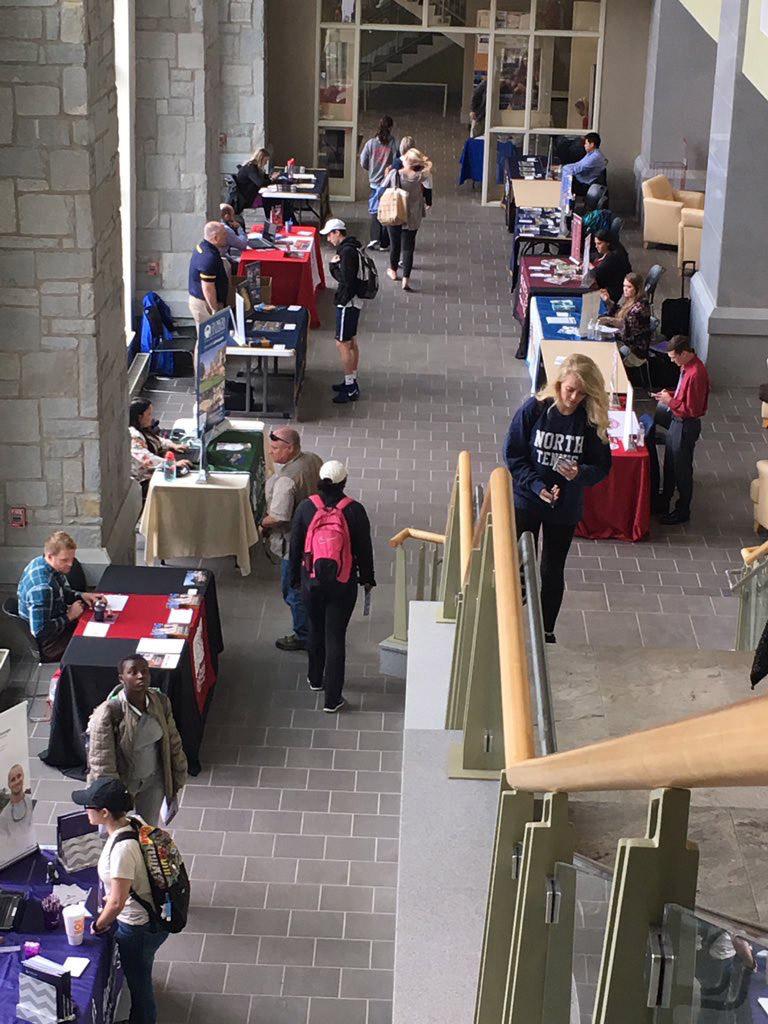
[208, 282]
[250, 177]
[590, 168]
[148, 448]
[632, 317]
[237, 239]
[46, 600]
[127, 893]
[556, 446]
[376, 157]
[132, 736]
[611, 266]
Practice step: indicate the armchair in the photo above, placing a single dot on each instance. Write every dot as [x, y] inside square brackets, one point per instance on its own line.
[689, 236]
[662, 210]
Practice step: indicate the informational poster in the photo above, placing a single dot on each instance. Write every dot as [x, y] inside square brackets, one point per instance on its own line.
[17, 827]
[211, 364]
[577, 237]
[565, 187]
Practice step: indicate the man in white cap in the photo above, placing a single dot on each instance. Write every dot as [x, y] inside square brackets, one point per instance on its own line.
[295, 478]
[344, 267]
[331, 555]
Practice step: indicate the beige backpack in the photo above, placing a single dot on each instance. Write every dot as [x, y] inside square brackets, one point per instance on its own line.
[393, 205]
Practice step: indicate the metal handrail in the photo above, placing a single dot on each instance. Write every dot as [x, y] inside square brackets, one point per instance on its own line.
[410, 533]
[751, 555]
[545, 718]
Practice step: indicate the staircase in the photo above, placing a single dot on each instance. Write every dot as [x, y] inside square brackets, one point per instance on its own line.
[441, 12]
[406, 51]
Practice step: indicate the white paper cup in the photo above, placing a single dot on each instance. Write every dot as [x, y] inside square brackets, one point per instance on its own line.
[74, 923]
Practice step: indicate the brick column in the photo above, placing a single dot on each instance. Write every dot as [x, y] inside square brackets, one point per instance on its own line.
[63, 417]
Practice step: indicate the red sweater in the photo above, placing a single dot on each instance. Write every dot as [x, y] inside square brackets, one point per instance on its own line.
[692, 391]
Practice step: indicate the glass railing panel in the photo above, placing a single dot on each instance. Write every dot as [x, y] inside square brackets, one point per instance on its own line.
[593, 895]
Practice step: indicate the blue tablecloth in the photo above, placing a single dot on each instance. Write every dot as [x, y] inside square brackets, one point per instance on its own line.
[551, 305]
[295, 338]
[95, 991]
[471, 160]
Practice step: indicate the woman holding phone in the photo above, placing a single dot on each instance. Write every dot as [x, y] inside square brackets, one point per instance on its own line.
[556, 445]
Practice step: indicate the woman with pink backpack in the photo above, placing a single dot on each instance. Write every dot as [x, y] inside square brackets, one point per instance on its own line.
[330, 556]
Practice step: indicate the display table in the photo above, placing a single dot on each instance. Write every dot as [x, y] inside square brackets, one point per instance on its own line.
[186, 519]
[309, 188]
[532, 225]
[89, 665]
[282, 326]
[473, 155]
[295, 279]
[535, 279]
[96, 991]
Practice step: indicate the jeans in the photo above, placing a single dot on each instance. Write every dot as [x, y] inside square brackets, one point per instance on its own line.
[679, 442]
[138, 944]
[330, 609]
[401, 238]
[556, 543]
[292, 597]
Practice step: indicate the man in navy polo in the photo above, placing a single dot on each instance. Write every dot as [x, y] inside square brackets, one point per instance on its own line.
[208, 281]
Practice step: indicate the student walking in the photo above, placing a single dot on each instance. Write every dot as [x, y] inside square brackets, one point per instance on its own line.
[417, 170]
[331, 555]
[376, 157]
[557, 445]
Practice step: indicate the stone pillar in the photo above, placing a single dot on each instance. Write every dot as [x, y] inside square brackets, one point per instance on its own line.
[63, 413]
[241, 49]
[678, 92]
[730, 304]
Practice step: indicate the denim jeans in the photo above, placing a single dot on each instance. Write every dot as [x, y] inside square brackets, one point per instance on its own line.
[292, 597]
[138, 944]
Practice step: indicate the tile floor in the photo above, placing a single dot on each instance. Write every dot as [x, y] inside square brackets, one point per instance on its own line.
[291, 829]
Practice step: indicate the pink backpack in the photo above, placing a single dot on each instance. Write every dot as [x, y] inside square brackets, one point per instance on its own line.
[328, 547]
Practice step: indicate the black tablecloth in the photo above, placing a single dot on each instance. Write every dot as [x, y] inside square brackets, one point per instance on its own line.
[89, 671]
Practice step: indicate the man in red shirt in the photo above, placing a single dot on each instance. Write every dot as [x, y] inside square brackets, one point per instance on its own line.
[679, 413]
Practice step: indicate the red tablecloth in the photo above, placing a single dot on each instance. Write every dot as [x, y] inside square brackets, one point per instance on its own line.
[619, 508]
[528, 286]
[138, 617]
[295, 279]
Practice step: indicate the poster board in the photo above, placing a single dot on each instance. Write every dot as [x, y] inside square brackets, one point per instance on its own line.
[213, 337]
[566, 183]
[536, 193]
[577, 238]
[17, 827]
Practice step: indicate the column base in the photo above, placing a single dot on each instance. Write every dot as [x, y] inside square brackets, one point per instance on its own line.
[731, 340]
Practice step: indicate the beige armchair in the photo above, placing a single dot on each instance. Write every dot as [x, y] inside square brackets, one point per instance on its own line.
[758, 492]
[689, 236]
[662, 210]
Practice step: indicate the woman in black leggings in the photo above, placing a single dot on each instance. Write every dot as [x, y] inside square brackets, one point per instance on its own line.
[415, 180]
[557, 445]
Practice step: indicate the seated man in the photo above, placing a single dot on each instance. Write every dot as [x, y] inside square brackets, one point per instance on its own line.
[47, 601]
[591, 166]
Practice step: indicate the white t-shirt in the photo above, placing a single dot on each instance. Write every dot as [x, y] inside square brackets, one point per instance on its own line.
[125, 860]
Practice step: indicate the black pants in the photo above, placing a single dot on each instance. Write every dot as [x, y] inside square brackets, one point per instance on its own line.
[554, 551]
[330, 609]
[401, 239]
[679, 442]
[379, 233]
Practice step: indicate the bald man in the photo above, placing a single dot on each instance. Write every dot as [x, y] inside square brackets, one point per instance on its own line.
[296, 477]
[208, 280]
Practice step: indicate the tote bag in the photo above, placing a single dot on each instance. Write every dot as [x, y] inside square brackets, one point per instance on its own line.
[393, 205]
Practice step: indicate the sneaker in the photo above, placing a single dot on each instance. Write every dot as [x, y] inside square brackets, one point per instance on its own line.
[549, 638]
[312, 685]
[331, 710]
[341, 387]
[674, 518]
[351, 393]
[290, 643]
[373, 245]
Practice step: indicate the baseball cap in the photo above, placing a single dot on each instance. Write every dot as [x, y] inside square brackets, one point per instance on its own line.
[334, 224]
[109, 794]
[334, 471]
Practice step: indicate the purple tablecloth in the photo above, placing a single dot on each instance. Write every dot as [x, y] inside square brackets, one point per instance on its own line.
[95, 991]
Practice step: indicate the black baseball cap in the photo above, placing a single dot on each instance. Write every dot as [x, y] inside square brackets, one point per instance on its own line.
[109, 794]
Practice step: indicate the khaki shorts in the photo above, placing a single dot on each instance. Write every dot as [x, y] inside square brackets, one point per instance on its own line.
[199, 310]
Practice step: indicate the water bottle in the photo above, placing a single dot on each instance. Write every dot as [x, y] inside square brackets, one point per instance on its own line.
[169, 467]
[641, 435]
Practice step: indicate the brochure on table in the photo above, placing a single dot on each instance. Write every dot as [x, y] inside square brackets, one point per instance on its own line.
[213, 337]
[17, 827]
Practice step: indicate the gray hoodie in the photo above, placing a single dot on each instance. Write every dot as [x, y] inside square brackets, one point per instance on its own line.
[376, 157]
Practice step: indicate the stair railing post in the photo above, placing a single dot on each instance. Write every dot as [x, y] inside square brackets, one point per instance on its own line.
[466, 614]
[400, 630]
[450, 578]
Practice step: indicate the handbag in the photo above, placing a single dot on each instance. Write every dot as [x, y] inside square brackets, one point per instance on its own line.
[78, 843]
[393, 205]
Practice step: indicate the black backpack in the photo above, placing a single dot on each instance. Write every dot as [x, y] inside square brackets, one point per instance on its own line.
[167, 874]
[367, 284]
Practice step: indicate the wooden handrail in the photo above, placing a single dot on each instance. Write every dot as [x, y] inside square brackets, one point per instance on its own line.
[751, 555]
[409, 534]
[466, 514]
[725, 747]
[513, 661]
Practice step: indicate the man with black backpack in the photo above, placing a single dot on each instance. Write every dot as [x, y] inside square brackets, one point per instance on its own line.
[356, 273]
[331, 554]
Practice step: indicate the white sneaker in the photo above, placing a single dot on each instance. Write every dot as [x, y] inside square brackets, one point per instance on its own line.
[373, 245]
[332, 710]
[312, 686]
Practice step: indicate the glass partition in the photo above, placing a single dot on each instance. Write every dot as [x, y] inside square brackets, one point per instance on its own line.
[337, 10]
[514, 15]
[392, 12]
[568, 15]
[337, 69]
[447, 12]
[506, 107]
[593, 895]
[336, 153]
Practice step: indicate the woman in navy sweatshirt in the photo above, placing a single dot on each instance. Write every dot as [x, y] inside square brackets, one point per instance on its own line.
[557, 445]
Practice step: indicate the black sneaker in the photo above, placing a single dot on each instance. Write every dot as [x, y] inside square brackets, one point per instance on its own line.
[351, 393]
[549, 638]
[312, 685]
[339, 387]
[290, 643]
[332, 709]
[674, 518]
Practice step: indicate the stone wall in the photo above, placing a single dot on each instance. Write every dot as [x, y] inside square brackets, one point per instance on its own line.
[62, 348]
[241, 28]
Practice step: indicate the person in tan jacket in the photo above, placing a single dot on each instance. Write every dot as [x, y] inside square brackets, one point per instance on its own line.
[133, 737]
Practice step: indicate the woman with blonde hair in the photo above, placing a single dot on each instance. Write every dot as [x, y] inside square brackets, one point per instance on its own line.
[417, 169]
[250, 177]
[557, 445]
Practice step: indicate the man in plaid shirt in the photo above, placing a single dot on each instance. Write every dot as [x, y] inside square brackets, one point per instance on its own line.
[46, 600]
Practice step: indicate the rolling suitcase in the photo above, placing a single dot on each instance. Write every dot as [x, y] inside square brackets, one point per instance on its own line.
[676, 313]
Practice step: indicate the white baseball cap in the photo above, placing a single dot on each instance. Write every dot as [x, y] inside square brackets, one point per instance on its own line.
[334, 471]
[334, 224]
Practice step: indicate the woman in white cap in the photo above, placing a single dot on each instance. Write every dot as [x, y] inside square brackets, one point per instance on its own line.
[331, 555]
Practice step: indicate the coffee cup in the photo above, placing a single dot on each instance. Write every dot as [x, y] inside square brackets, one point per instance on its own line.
[74, 923]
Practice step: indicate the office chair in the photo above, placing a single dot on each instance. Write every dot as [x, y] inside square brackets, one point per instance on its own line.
[11, 610]
[617, 225]
[596, 197]
[651, 282]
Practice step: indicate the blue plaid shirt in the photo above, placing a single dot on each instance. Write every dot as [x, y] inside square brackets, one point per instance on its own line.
[44, 596]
